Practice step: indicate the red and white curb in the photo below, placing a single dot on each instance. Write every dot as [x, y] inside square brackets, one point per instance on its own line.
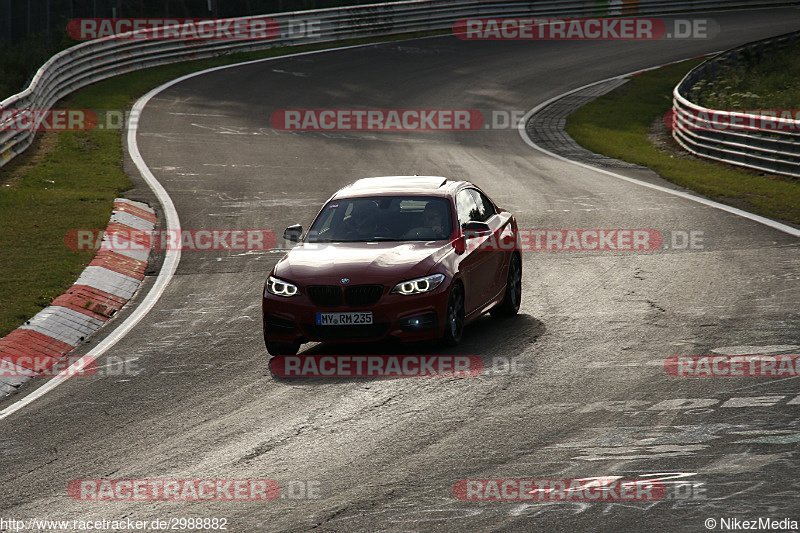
[110, 280]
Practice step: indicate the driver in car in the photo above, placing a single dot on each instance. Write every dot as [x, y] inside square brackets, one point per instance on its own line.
[433, 220]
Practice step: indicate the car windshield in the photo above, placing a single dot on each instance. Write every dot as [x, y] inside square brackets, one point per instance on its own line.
[383, 218]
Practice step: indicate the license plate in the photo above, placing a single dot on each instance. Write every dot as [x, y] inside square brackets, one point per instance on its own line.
[342, 319]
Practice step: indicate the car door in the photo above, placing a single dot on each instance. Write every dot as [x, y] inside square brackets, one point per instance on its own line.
[477, 265]
[499, 223]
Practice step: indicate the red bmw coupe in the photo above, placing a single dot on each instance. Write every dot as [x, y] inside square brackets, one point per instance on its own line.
[407, 257]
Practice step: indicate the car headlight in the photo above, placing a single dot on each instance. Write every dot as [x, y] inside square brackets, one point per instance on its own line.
[280, 288]
[419, 285]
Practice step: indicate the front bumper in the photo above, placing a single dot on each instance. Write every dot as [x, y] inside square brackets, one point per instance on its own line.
[409, 318]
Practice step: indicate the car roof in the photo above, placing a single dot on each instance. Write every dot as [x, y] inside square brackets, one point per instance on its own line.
[432, 185]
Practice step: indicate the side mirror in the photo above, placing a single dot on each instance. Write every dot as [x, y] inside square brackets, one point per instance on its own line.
[473, 229]
[460, 244]
[293, 233]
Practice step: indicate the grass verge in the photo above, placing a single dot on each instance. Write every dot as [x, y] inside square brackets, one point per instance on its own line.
[618, 124]
[68, 180]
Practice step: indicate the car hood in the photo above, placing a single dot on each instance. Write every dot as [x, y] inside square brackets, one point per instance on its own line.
[360, 262]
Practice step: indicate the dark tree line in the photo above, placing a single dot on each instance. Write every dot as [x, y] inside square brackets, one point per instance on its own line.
[47, 19]
[31, 31]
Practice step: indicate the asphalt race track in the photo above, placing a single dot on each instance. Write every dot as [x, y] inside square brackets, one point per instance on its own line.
[589, 398]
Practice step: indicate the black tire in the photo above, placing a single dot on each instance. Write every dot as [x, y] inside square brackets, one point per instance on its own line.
[282, 348]
[510, 304]
[454, 320]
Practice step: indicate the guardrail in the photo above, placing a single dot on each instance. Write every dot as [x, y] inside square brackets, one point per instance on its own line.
[96, 60]
[770, 144]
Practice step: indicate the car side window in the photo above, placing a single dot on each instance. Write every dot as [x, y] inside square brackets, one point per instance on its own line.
[466, 207]
[484, 204]
[480, 211]
[472, 205]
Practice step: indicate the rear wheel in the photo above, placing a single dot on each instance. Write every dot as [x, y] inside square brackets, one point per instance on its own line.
[510, 304]
[454, 327]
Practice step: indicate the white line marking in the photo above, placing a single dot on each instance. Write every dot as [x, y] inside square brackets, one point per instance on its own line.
[705, 201]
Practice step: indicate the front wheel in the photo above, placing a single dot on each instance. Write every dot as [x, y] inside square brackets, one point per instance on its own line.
[510, 304]
[454, 327]
[282, 348]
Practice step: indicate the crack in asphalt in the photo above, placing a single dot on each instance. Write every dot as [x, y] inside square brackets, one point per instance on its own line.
[268, 446]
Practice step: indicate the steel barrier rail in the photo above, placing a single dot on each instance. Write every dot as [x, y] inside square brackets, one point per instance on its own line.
[770, 144]
[99, 59]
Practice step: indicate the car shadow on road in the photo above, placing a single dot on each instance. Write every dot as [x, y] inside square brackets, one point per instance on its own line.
[487, 338]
